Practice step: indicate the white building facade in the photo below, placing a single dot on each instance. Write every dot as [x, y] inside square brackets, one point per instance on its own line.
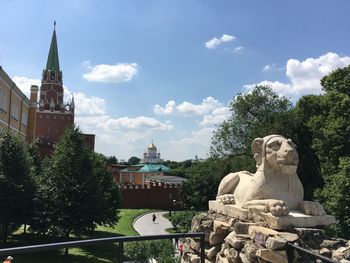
[151, 155]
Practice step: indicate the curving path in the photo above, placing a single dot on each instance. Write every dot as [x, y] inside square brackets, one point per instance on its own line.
[144, 225]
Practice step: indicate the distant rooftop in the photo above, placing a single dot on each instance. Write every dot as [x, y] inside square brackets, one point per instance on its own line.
[168, 179]
[147, 168]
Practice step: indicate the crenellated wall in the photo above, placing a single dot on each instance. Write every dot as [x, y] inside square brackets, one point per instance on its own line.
[154, 195]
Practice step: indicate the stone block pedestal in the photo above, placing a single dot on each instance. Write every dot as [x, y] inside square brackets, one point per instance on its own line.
[293, 219]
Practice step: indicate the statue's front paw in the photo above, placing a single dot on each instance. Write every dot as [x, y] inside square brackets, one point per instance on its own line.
[311, 208]
[277, 208]
[226, 199]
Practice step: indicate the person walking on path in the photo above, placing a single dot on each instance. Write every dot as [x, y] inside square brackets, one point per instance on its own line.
[181, 248]
[176, 242]
[154, 218]
[8, 259]
[143, 224]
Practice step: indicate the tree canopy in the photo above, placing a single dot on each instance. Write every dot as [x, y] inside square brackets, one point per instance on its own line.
[77, 191]
[255, 114]
[133, 160]
[17, 188]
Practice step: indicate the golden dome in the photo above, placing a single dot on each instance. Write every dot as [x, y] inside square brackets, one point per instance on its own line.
[152, 146]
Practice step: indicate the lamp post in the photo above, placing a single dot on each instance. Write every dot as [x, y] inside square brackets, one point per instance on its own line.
[174, 203]
[170, 197]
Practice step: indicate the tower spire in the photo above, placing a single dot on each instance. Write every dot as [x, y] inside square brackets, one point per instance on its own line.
[52, 59]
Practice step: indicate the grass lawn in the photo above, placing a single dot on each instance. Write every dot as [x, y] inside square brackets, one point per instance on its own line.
[91, 254]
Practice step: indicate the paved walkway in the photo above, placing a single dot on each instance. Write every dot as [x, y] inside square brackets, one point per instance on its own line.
[144, 225]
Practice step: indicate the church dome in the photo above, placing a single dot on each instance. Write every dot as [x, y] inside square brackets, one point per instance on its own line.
[152, 147]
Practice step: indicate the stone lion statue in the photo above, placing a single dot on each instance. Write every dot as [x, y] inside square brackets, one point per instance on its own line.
[275, 187]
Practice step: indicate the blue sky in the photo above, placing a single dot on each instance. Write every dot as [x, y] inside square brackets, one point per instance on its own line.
[166, 70]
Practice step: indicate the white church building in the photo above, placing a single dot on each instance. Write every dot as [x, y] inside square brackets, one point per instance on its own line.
[151, 155]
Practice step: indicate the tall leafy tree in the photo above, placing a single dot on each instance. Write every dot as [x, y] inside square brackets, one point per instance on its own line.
[336, 198]
[112, 159]
[107, 196]
[255, 114]
[202, 184]
[74, 189]
[17, 188]
[326, 119]
[161, 251]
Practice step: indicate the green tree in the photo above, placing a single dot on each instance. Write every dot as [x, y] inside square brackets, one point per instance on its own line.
[336, 198]
[76, 189]
[138, 251]
[202, 184]
[112, 159]
[17, 188]
[256, 114]
[162, 251]
[142, 251]
[133, 160]
[337, 81]
[181, 220]
[325, 120]
[107, 195]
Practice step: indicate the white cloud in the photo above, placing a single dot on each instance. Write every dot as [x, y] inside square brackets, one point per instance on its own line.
[24, 83]
[121, 72]
[238, 49]
[272, 67]
[269, 67]
[89, 105]
[217, 116]
[140, 122]
[186, 108]
[304, 76]
[169, 108]
[215, 42]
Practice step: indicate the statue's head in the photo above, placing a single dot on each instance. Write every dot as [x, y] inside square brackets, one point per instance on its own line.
[277, 151]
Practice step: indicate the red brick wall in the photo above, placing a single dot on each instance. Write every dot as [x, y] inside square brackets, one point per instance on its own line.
[156, 196]
[51, 126]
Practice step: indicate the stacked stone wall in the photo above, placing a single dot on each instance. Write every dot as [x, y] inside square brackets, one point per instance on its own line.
[232, 240]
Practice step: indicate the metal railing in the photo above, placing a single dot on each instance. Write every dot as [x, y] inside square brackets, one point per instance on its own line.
[290, 253]
[100, 241]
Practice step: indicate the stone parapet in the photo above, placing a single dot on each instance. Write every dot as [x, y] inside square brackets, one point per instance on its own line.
[233, 240]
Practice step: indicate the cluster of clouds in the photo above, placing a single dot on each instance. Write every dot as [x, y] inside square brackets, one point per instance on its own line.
[218, 41]
[211, 109]
[91, 111]
[117, 73]
[124, 72]
[303, 76]
[121, 133]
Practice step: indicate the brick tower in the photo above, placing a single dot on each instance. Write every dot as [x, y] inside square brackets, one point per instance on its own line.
[51, 114]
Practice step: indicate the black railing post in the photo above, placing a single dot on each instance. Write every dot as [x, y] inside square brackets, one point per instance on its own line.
[120, 252]
[290, 247]
[203, 248]
[290, 253]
